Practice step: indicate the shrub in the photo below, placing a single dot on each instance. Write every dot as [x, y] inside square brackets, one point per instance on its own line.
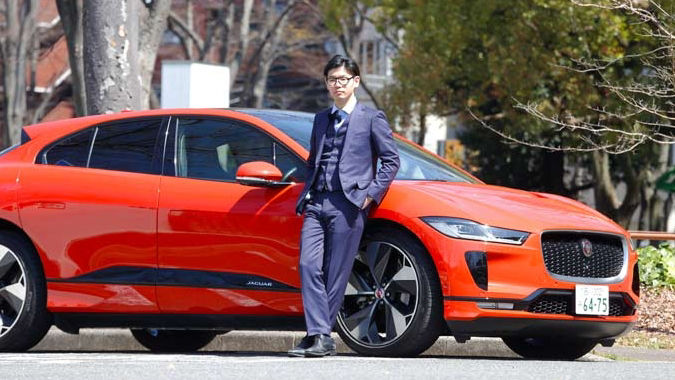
[657, 265]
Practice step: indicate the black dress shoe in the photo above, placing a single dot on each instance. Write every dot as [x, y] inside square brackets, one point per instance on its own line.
[304, 344]
[323, 345]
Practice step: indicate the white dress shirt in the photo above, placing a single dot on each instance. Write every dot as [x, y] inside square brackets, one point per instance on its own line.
[348, 108]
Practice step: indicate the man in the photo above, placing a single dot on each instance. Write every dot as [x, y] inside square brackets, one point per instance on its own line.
[342, 183]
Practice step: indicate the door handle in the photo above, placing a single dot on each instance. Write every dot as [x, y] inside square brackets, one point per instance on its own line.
[52, 205]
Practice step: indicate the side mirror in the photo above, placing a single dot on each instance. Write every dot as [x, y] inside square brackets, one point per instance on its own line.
[259, 173]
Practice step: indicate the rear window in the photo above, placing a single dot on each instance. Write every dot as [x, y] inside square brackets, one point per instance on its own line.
[124, 146]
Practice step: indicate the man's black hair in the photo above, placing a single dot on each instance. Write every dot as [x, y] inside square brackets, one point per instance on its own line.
[340, 61]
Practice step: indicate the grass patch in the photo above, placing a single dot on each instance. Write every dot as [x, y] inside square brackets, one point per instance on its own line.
[648, 339]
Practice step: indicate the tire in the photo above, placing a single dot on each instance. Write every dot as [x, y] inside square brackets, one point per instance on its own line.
[23, 295]
[393, 303]
[549, 348]
[173, 340]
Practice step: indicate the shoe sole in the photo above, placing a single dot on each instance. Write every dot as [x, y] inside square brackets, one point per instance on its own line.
[296, 354]
[319, 355]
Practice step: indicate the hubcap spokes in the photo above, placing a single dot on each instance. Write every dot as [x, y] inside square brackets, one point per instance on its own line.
[12, 289]
[381, 296]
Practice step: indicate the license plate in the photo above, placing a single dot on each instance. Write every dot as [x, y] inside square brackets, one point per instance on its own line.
[592, 299]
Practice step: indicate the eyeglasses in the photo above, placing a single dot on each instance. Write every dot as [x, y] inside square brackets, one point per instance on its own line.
[342, 81]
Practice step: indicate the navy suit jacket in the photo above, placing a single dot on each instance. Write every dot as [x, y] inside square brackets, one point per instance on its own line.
[368, 139]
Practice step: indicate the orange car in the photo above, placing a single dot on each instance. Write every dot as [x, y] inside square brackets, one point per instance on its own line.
[180, 225]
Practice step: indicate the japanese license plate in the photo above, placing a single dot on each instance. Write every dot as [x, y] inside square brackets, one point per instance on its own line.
[592, 299]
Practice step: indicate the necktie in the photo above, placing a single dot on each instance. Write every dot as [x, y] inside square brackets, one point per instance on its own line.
[338, 116]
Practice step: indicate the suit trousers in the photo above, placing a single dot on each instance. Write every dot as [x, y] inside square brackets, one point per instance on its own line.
[331, 232]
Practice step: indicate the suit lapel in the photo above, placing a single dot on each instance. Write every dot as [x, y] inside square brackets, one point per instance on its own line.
[355, 121]
[321, 134]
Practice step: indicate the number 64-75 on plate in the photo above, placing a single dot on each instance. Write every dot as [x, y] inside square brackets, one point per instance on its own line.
[591, 299]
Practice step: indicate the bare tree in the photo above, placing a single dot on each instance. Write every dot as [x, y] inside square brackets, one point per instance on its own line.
[122, 52]
[249, 54]
[643, 114]
[647, 108]
[70, 12]
[347, 20]
[268, 48]
[15, 43]
[153, 23]
[222, 27]
[111, 64]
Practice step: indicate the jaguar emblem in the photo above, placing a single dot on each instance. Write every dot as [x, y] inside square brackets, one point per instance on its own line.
[586, 247]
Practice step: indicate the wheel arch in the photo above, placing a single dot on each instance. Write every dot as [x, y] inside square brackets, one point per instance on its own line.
[387, 224]
[6, 225]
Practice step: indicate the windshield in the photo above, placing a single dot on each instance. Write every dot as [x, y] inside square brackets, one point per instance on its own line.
[416, 164]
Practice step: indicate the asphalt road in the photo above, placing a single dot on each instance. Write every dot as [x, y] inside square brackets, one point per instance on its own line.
[256, 365]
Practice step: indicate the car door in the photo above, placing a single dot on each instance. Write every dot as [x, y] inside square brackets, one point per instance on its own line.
[90, 206]
[224, 247]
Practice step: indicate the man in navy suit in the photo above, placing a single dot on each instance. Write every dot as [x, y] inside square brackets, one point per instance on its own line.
[342, 183]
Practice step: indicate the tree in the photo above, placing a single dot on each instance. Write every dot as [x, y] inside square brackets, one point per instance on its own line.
[222, 28]
[346, 19]
[112, 48]
[70, 12]
[485, 60]
[15, 42]
[111, 69]
[249, 53]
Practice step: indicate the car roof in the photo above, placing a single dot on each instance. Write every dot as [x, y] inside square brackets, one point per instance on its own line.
[55, 129]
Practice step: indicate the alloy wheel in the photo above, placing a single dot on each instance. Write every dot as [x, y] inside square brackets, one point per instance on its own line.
[12, 289]
[381, 296]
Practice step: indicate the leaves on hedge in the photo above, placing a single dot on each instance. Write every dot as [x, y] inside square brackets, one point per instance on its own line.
[657, 265]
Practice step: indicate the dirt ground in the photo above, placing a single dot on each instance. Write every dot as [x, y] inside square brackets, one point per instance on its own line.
[656, 320]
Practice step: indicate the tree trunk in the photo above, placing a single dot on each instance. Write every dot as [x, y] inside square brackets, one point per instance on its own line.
[152, 29]
[657, 217]
[16, 41]
[634, 184]
[244, 28]
[71, 20]
[264, 56]
[111, 60]
[423, 124]
[606, 200]
[553, 164]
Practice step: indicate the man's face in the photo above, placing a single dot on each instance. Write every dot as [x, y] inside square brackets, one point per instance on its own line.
[341, 84]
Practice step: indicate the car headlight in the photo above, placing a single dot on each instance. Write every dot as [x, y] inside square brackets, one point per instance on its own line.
[467, 229]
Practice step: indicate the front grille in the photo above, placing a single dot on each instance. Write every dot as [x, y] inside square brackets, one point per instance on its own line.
[618, 308]
[564, 304]
[563, 254]
[549, 305]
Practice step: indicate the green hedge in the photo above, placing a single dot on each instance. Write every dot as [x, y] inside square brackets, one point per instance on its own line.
[657, 265]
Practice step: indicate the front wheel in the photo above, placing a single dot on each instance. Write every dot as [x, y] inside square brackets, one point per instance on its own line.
[173, 340]
[393, 302]
[550, 348]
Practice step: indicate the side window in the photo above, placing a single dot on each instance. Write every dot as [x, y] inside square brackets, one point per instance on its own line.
[71, 151]
[292, 167]
[128, 146]
[214, 149]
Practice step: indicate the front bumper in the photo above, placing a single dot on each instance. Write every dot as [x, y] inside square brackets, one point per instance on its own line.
[531, 327]
[545, 312]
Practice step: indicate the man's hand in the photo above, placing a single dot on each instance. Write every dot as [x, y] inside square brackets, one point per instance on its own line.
[366, 202]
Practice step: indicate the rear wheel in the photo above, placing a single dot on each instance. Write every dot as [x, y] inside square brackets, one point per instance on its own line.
[550, 348]
[24, 319]
[173, 340]
[393, 303]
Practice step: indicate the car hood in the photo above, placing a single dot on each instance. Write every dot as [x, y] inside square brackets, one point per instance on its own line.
[508, 208]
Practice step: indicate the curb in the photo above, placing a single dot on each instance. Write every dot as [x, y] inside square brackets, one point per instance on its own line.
[102, 340]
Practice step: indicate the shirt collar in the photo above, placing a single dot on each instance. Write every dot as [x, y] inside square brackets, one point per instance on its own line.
[349, 107]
